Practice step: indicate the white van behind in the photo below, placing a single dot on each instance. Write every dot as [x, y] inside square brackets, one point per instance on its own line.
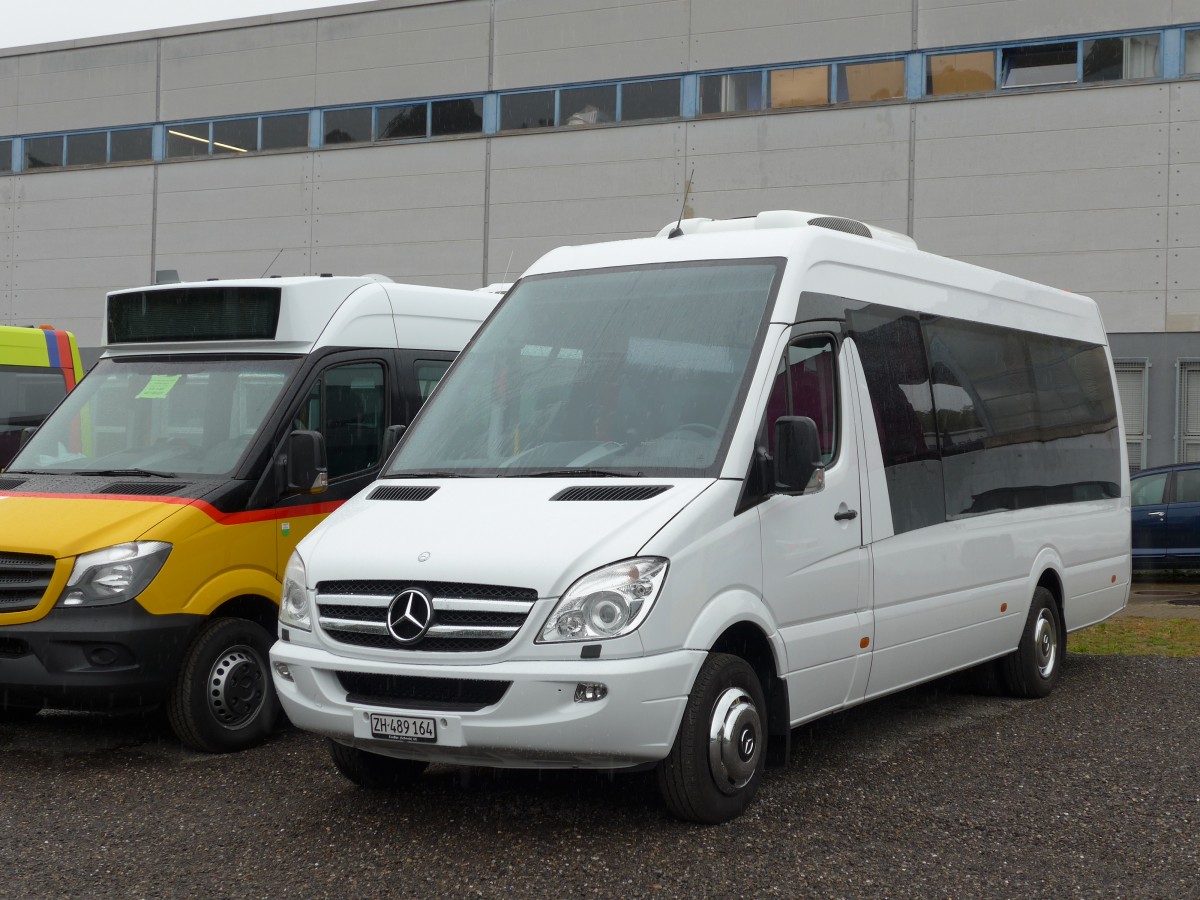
[682, 494]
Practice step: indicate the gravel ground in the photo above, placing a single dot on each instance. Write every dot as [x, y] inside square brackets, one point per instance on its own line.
[1094, 791]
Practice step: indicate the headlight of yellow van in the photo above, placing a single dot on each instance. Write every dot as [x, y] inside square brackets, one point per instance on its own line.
[293, 605]
[113, 575]
[608, 602]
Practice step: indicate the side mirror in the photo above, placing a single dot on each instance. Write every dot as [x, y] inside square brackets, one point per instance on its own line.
[307, 470]
[391, 437]
[797, 453]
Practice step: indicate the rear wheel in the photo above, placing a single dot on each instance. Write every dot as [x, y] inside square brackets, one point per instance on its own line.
[717, 761]
[224, 700]
[1032, 669]
[372, 771]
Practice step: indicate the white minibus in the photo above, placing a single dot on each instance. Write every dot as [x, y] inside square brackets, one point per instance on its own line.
[681, 494]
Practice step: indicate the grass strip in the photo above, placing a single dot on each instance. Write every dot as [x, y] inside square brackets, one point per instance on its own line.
[1134, 636]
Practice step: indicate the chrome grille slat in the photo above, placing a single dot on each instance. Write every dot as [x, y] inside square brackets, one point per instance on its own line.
[351, 625]
[466, 617]
[472, 631]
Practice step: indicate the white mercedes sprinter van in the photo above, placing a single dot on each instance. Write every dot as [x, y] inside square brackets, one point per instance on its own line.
[680, 495]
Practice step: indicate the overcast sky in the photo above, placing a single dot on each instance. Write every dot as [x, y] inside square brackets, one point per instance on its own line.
[43, 21]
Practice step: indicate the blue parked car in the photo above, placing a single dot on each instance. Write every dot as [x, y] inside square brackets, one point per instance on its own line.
[1166, 517]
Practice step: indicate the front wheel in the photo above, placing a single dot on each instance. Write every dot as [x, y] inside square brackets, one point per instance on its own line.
[223, 699]
[373, 771]
[717, 761]
[1032, 669]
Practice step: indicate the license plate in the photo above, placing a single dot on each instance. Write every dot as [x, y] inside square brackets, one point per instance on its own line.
[403, 728]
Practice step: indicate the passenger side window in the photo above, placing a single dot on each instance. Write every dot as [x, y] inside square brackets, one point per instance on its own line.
[348, 405]
[1187, 486]
[429, 373]
[1148, 491]
[806, 385]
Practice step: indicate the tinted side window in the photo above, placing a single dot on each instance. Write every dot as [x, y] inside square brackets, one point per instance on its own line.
[1148, 491]
[1187, 486]
[429, 373]
[897, 372]
[1024, 419]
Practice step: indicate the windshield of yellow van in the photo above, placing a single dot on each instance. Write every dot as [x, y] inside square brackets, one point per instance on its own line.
[160, 416]
[632, 371]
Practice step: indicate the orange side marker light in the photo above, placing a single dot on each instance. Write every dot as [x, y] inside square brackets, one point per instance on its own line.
[865, 643]
[1003, 607]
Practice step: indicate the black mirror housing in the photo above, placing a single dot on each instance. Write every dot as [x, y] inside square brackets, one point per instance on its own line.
[391, 438]
[307, 468]
[797, 453]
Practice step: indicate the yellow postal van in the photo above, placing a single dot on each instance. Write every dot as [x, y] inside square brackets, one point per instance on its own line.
[144, 528]
[37, 368]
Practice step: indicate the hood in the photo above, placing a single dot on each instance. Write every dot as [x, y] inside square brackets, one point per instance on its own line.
[69, 525]
[503, 531]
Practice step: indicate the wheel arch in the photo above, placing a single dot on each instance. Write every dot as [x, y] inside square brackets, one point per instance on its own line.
[749, 642]
[1048, 573]
[256, 608]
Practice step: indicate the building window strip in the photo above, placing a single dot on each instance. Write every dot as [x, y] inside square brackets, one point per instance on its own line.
[1168, 53]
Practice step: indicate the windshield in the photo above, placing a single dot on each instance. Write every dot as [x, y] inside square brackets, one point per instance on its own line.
[159, 416]
[619, 371]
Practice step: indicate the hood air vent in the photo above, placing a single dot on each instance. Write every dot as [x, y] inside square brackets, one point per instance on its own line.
[7, 484]
[412, 494]
[140, 487]
[628, 492]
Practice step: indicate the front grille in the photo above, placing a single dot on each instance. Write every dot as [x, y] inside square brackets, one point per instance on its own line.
[467, 618]
[24, 579]
[411, 692]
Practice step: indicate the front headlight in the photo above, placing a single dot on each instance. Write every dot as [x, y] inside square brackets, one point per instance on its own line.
[114, 574]
[607, 603]
[293, 605]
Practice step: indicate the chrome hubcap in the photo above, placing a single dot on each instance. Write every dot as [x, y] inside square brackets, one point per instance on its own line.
[236, 686]
[734, 740]
[1045, 644]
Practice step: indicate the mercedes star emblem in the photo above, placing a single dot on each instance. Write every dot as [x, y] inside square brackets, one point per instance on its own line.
[409, 615]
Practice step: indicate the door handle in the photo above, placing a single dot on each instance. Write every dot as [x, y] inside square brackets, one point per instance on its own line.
[845, 515]
[1157, 513]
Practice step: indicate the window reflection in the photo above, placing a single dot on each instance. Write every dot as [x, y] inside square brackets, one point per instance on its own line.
[1046, 64]
[874, 81]
[531, 110]
[235, 136]
[799, 87]
[347, 126]
[44, 152]
[650, 100]
[404, 121]
[131, 145]
[89, 149]
[285, 132]
[188, 139]
[1118, 59]
[461, 116]
[5, 156]
[588, 106]
[731, 93]
[962, 73]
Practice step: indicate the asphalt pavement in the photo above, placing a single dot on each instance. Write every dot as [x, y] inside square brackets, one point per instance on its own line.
[934, 792]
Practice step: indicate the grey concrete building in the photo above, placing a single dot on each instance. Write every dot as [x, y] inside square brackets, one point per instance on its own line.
[451, 142]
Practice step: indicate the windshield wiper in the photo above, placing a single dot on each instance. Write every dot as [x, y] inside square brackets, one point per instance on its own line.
[429, 474]
[574, 473]
[113, 472]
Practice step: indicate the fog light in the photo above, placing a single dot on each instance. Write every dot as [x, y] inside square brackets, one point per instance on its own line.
[586, 693]
[283, 671]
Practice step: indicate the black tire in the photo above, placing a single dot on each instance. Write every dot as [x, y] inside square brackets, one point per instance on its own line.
[224, 699]
[372, 771]
[711, 780]
[1032, 669]
[11, 714]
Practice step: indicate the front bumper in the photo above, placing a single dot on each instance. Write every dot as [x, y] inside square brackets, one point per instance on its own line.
[111, 658]
[536, 724]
